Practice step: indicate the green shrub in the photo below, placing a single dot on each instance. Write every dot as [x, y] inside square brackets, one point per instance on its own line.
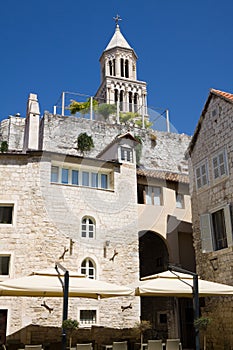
[84, 143]
[105, 110]
[4, 146]
[70, 326]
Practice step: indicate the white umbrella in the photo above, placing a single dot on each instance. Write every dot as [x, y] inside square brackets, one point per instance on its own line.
[178, 285]
[46, 283]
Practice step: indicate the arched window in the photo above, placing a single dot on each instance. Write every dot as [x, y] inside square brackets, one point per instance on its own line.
[121, 100]
[110, 67]
[88, 268]
[115, 95]
[122, 67]
[126, 68]
[88, 228]
[135, 101]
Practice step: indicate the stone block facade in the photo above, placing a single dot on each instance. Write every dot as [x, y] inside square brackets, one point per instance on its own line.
[47, 217]
[212, 148]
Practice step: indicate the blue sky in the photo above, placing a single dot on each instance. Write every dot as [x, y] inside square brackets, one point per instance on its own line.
[184, 48]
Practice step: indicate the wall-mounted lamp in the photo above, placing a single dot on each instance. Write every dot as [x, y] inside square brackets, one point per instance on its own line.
[214, 263]
[106, 244]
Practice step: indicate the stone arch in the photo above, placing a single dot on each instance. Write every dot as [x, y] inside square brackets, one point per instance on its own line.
[153, 253]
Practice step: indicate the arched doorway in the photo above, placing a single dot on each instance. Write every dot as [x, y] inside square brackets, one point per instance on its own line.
[153, 253]
[170, 317]
[153, 258]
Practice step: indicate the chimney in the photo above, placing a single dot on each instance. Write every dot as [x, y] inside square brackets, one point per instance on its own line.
[31, 133]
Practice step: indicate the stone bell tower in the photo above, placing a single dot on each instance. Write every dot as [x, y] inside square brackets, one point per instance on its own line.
[119, 84]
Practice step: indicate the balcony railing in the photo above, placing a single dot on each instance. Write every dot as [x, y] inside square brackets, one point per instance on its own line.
[118, 112]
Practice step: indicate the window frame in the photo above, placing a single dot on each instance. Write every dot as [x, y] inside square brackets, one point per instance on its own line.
[10, 264]
[88, 225]
[199, 167]
[83, 176]
[182, 204]
[152, 195]
[12, 205]
[88, 324]
[88, 268]
[217, 155]
[124, 152]
[208, 236]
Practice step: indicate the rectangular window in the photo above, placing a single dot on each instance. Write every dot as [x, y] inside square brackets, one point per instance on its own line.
[87, 317]
[94, 179]
[6, 213]
[219, 230]
[104, 181]
[219, 165]
[153, 195]
[162, 318]
[216, 229]
[85, 178]
[4, 265]
[126, 154]
[201, 175]
[54, 173]
[75, 177]
[84, 229]
[65, 176]
[179, 200]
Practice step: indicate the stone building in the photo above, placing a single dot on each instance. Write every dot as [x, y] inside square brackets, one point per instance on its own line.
[127, 197]
[211, 176]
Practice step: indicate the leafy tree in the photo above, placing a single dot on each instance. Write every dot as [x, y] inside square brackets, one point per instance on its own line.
[202, 323]
[128, 116]
[82, 107]
[106, 109]
[146, 123]
[84, 143]
[143, 326]
[4, 146]
[70, 326]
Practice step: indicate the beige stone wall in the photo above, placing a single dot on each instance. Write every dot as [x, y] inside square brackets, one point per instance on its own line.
[60, 133]
[47, 216]
[215, 133]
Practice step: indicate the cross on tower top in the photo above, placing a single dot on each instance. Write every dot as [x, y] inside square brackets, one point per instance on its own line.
[117, 19]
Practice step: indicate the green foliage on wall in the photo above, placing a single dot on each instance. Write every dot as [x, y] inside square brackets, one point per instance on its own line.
[4, 146]
[84, 143]
[138, 149]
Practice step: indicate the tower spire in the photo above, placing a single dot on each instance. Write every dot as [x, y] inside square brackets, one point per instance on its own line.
[117, 19]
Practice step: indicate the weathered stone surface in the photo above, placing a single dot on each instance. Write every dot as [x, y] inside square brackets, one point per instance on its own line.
[215, 134]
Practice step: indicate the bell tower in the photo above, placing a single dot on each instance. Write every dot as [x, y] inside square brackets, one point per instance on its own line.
[119, 84]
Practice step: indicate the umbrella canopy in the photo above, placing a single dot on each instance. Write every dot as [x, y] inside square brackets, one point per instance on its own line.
[47, 283]
[178, 285]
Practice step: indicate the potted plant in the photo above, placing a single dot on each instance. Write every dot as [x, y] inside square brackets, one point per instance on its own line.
[143, 326]
[202, 323]
[70, 326]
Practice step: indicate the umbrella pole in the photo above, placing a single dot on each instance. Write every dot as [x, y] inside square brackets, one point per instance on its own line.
[65, 307]
[195, 298]
[65, 287]
[196, 309]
